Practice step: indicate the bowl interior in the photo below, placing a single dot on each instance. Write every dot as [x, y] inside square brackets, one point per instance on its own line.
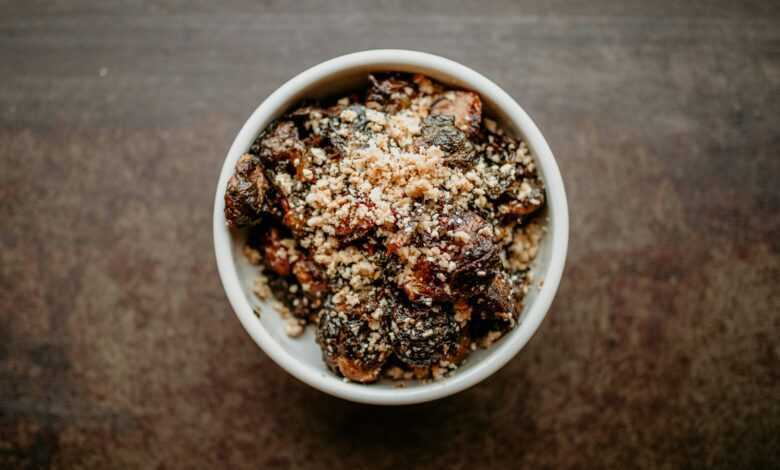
[301, 356]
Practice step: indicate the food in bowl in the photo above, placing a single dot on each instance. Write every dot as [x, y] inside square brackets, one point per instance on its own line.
[399, 221]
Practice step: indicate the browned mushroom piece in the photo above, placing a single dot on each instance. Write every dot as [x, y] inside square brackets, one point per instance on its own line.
[312, 281]
[279, 144]
[390, 93]
[353, 229]
[286, 203]
[473, 260]
[293, 278]
[422, 335]
[440, 130]
[426, 86]
[279, 253]
[305, 114]
[288, 293]
[350, 345]
[527, 197]
[245, 195]
[283, 155]
[348, 126]
[356, 225]
[425, 281]
[461, 350]
[497, 302]
[464, 106]
[472, 251]
[292, 215]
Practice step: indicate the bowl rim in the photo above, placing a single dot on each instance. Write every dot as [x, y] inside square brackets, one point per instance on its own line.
[558, 227]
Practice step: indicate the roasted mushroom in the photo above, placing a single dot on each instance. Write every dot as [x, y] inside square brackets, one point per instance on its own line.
[474, 253]
[356, 224]
[526, 196]
[421, 335]
[287, 291]
[440, 130]
[245, 195]
[312, 281]
[472, 260]
[389, 94]
[350, 345]
[279, 252]
[349, 126]
[425, 282]
[497, 301]
[279, 144]
[464, 106]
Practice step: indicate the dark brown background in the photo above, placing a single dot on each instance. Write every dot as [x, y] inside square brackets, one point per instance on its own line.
[118, 348]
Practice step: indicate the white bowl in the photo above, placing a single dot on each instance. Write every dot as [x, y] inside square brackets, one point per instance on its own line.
[301, 356]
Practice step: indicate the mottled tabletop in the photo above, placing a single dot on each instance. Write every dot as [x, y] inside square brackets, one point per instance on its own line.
[118, 348]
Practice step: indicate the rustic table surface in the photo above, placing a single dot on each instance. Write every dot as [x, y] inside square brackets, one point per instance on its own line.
[118, 348]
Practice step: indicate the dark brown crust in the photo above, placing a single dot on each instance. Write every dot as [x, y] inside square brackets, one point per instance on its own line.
[464, 106]
[354, 227]
[422, 336]
[311, 280]
[474, 256]
[276, 255]
[280, 144]
[246, 192]
[350, 346]
[440, 130]
[389, 93]
[497, 301]
[522, 204]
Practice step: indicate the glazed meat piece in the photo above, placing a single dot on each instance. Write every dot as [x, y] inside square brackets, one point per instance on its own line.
[461, 350]
[526, 196]
[440, 130]
[425, 281]
[464, 106]
[284, 158]
[312, 281]
[476, 258]
[389, 94]
[350, 346]
[473, 260]
[281, 257]
[303, 118]
[497, 301]
[422, 336]
[288, 292]
[278, 145]
[279, 253]
[356, 225]
[349, 126]
[246, 192]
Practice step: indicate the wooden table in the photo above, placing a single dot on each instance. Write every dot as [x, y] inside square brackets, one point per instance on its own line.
[118, 348]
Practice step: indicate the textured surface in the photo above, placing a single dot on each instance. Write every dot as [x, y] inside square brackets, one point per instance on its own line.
[118, 348]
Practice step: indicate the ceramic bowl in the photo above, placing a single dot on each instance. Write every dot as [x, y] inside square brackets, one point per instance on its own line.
[301, 356]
